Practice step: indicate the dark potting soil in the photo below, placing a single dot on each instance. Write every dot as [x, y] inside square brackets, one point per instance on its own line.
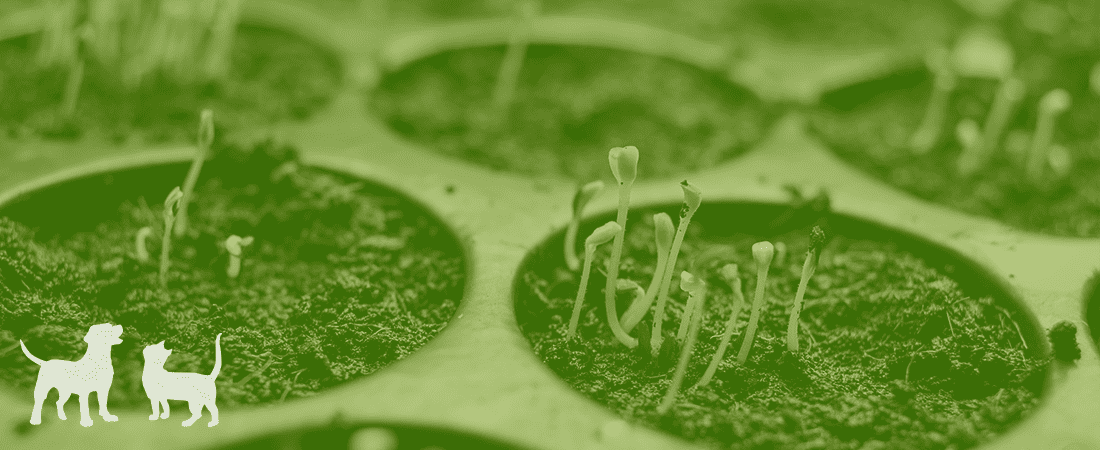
[342, 280]
[273, 76]
[894, 354]
[571, 105]
[869, 125]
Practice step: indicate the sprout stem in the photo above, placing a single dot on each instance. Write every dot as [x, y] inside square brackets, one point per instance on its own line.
[206, 137]
[762, 253]
[580, 200]
[1051, 106]
[139, 243]
[935, 114]
[975, 155]
[170, 203]
[692, 200]
[663, 235]
[729, 272]
[697, 292]
[234, 245]
[817, 241]
[624, 165]
[508, 75]
[598, 237]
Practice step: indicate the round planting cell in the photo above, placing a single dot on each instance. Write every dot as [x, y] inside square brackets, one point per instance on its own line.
[570, 104]
[342, 277]
[1018, 147]
[371, 437]
[272, 75]
[902, 344]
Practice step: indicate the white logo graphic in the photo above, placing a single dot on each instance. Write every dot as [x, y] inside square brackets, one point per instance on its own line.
[197, 389]
[92, 373]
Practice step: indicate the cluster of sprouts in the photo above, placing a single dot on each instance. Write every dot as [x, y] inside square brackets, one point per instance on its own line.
[624, 163]
[979, 54]
[184, 40]
[176, 218]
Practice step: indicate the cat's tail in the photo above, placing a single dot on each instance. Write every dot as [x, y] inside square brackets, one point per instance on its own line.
[217, 357]
[29, 355]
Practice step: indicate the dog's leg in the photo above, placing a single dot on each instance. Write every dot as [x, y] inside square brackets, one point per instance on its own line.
[102, 396]
[62, 397]
[164, 409]
[156, 409]
[40, 392]
[85, 418]
[196, 412]
[213, 414]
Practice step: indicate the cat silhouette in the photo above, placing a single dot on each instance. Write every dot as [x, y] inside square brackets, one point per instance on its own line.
[196, 389]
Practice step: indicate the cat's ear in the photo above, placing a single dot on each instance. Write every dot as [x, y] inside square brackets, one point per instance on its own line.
[160, 344]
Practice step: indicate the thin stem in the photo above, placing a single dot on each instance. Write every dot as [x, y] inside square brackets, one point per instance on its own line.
[731, 325]
[72, 89]
[139, 243]
[685, 320]
[685, 357]
[582, 290]
[656, 339]
[166, 241]
[762, 253]
[613, 269]
[935, 114]
[206, 136]
[508, 75]
[571, 259]
[638, 309]
[792, 325]
[1052, 105]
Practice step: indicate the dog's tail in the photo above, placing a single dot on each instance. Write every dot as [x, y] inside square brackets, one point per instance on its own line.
[29, 355]
[217, 357]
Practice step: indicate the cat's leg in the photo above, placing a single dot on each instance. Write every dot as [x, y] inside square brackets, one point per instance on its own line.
[196, 412]
[62, 397]
[40, 392]
[156, 408]
[164, 409]
[213, 414]
[102, 396]
[85, 418]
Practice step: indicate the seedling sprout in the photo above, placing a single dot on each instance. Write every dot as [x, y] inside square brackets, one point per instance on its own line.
[234, 244]
[663, 233]
[762, 253]
[935, 114]
[170, 203]
[600, 236]
[1051, 106]
[206, 136]
[976, 149]
[817, 242]
[508, 75]
[584, 195]
[624, 165]
[730, 275]
[139, 243]
[692, 199]
[697, 293]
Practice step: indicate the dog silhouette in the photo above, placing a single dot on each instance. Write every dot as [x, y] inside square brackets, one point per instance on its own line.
[92, 373]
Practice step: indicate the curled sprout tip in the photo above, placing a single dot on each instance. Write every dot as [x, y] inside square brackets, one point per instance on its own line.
[624, 163]
[585, 194]
[762, 253]
[693, 197]
[603, 234]
[206, 128]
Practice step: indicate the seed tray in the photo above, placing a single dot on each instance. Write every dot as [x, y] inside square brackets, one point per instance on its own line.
[479, 375]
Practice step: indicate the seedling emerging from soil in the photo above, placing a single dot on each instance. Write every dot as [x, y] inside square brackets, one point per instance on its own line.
[508, 76]
[624, 165]
[139, 243]
[697, 293]
[206, 136]
[234, 244]
[1051, 106]
[663, 235]
[976, 151]
[935, 114]
[817, 242]
[170, 204]
[584, 195]
[692, 199]
[600, 236]
[762, 253]
[728, 273]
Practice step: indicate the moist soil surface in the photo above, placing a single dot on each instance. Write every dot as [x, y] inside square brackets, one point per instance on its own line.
[341, 280]
[869, 125]
[893, 353]
[571, 105]
[273, 76]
